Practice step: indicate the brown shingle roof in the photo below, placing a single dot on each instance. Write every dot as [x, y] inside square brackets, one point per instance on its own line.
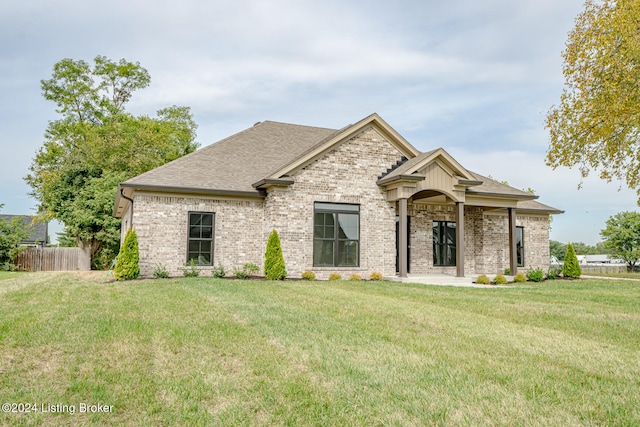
[492, 187]
[236, 162]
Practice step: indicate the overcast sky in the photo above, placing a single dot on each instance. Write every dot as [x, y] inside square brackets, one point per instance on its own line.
[475, 78]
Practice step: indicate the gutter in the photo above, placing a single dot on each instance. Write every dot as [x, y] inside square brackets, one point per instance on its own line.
[131, 200]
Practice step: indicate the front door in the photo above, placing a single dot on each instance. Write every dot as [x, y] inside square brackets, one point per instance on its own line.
[408, 244]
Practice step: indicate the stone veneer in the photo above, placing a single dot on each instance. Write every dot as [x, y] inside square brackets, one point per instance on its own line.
[347, 174]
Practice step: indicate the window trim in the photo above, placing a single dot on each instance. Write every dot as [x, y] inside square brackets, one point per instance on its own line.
[200, 239]
[443, 245]
[336, 209]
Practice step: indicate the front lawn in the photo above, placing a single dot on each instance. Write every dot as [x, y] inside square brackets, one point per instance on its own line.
[203, 351]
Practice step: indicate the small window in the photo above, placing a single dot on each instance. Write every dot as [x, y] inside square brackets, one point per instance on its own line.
[520, 245]
[444, 243]
[200, 238]
[336, 235]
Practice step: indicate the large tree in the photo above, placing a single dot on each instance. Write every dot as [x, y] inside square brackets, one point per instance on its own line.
[96, 144]
[597, 124]
[12, 233]
[622, 237]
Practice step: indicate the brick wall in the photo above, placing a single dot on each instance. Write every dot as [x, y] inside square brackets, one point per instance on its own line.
[161, 222]
[347, 174]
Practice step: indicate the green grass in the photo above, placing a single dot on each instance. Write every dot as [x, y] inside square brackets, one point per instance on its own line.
[204, 351]
[624, 275]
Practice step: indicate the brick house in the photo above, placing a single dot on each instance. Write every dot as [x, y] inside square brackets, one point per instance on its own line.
[356, 200]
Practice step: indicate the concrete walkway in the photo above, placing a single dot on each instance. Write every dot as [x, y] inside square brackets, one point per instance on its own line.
[442, 280]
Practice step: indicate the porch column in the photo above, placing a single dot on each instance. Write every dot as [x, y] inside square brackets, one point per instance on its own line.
[402, 241]
[513, 251]
[459, 239]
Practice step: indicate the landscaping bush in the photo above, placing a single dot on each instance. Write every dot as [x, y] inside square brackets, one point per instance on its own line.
[500, 279]
[190, 269]
[274, 268]
[160, 272]
[218, 271]
[246, 271]
[127, 267]
[520, 277]
[355, 276]
[553, 273]
[375, 276]
[309, 275]
[507, 271]
[335, 276]
[571, 268]
[483, 280]
[535, 275]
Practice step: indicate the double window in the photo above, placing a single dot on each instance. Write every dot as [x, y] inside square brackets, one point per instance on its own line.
[336, 235]
[200, 238]
[444, 243]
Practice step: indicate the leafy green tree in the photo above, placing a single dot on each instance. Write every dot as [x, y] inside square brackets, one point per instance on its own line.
[597, 124]
[622, 237]
[557, 249]
[274, 268]
[96, 144]
[571, 268]
[127, 267]
[11, 234]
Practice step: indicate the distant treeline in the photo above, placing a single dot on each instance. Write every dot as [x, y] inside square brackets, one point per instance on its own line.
[558, 249]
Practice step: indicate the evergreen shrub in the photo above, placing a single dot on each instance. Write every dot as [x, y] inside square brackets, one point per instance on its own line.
[375, 276]
[520, 277]
[571, 268]
[309, 275]
[127, 267]
[483, 280]
[500, 279]
[274, 268]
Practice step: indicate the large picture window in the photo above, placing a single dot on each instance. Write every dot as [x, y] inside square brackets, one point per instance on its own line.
[336, 235]
[520, 245]
[444, 243]
[200, 238]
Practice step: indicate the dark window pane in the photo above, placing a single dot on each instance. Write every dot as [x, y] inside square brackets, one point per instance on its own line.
[444, 243]
[194, 232]
[207, 219]
[348, 253]
[195, 219]
[207, 232]
[323, 253]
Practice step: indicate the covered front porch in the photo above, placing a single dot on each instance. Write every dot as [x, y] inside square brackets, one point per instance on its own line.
[450, 221]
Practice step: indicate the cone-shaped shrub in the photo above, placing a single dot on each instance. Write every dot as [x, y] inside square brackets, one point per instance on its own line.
[571, 266]
[127, 267]
[274, 268]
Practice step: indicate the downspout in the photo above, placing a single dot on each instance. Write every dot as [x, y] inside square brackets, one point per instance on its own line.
[131, 214]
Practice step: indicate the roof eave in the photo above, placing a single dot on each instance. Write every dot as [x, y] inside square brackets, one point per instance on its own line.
[272, 182]
[400, 178]
[501, 195]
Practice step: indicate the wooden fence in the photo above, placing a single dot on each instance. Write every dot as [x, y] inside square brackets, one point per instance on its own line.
[53, 259]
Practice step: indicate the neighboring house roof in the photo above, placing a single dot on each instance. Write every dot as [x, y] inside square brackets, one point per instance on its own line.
[40, 230]
[268, 153]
